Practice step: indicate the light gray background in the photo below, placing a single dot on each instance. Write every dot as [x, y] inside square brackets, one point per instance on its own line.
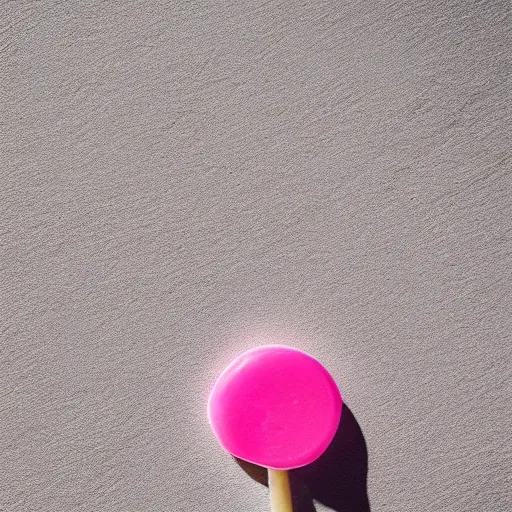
[183, 179]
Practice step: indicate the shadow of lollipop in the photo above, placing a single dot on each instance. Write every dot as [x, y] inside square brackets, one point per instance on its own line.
[336, 479]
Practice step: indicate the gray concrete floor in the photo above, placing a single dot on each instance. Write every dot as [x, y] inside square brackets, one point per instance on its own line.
[181, 180]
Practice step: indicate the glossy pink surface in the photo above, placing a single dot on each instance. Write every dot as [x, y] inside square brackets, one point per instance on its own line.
[276, 407]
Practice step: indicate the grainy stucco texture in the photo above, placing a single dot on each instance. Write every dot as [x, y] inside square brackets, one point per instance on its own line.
[182, 178]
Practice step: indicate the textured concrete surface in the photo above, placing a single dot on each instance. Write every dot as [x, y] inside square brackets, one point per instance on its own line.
[180, 178]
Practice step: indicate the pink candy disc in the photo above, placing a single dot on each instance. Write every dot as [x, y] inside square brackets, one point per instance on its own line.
[275, 406]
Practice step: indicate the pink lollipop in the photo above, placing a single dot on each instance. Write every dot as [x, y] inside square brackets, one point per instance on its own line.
[277, 407]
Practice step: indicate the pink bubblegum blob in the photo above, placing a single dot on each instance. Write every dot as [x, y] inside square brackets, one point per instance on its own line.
[275, 406]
